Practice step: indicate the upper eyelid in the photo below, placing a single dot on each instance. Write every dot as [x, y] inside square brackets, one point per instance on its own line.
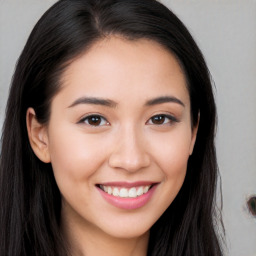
[172, 118]
[91, 114]
[82, 119]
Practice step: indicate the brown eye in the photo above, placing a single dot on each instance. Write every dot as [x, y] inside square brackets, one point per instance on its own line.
[158, 119]
[95, 120]
[162, 119]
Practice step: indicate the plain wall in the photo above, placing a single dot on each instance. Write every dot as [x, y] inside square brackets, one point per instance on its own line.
[226, 33]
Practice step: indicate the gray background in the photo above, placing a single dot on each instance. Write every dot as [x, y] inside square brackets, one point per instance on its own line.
[226, 33]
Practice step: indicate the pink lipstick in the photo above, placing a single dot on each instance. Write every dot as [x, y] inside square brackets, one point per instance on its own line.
[127, 196]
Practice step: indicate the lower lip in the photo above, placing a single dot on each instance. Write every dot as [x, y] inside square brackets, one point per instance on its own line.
[128, 203]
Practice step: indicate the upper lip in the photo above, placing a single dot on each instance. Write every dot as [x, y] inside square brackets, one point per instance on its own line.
[126, 184]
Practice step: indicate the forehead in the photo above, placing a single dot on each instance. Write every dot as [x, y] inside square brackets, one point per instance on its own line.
[139, 67]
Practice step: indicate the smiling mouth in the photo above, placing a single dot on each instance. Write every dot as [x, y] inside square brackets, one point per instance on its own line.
[124, 192]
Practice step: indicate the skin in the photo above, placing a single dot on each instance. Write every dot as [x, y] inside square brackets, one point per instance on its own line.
[127, 144]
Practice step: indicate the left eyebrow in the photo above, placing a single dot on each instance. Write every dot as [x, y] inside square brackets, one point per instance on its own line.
[94, 101]
[164, 99]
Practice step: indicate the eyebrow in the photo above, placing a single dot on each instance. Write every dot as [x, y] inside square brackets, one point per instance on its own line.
[164, 99]
[113, 104]
[94, 101]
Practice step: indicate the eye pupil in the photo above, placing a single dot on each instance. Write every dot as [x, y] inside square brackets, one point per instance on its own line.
[158, 119]
[94, 120]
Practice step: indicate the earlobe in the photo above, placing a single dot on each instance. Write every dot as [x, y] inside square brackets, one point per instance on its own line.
[38, 138]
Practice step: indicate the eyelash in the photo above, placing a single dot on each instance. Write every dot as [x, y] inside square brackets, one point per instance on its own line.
[98, 119]
[168, 119]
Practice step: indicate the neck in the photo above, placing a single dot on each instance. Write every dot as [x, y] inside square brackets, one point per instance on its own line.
[87, 239]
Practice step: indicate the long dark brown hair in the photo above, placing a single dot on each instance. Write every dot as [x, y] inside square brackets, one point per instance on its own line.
[30, 199]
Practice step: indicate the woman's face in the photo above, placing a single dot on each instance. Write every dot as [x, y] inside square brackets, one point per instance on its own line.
[119, 136]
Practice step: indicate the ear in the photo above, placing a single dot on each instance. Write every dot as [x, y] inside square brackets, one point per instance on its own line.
[194, 134]
[38, 137]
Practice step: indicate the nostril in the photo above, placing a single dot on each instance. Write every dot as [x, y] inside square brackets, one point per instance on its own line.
[129, 160]
[251, 204]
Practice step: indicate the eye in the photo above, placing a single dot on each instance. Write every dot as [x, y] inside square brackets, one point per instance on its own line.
[94, 120]
[162, 119]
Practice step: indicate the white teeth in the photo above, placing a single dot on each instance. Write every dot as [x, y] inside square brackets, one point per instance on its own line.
[125, 192]
[109, 190]
[140, 191]
[115, 192]
[132, 192]
[145, 189]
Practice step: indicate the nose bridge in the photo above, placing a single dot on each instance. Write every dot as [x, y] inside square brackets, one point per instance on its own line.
[130, 150]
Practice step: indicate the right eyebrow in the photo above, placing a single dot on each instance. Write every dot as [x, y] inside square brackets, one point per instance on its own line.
[164, 99]
[94, 101]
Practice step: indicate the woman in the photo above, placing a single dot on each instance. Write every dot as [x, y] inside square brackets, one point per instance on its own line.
[108, 141]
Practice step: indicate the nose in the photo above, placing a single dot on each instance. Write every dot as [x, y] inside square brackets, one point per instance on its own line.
[130, 152]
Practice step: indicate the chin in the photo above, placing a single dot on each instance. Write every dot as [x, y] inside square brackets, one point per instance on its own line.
[128, 228]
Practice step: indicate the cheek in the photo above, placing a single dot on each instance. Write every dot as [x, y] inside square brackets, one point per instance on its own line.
[173, 150]
[174, 167]
[172, 156]
[74, 156]
[172, 159]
